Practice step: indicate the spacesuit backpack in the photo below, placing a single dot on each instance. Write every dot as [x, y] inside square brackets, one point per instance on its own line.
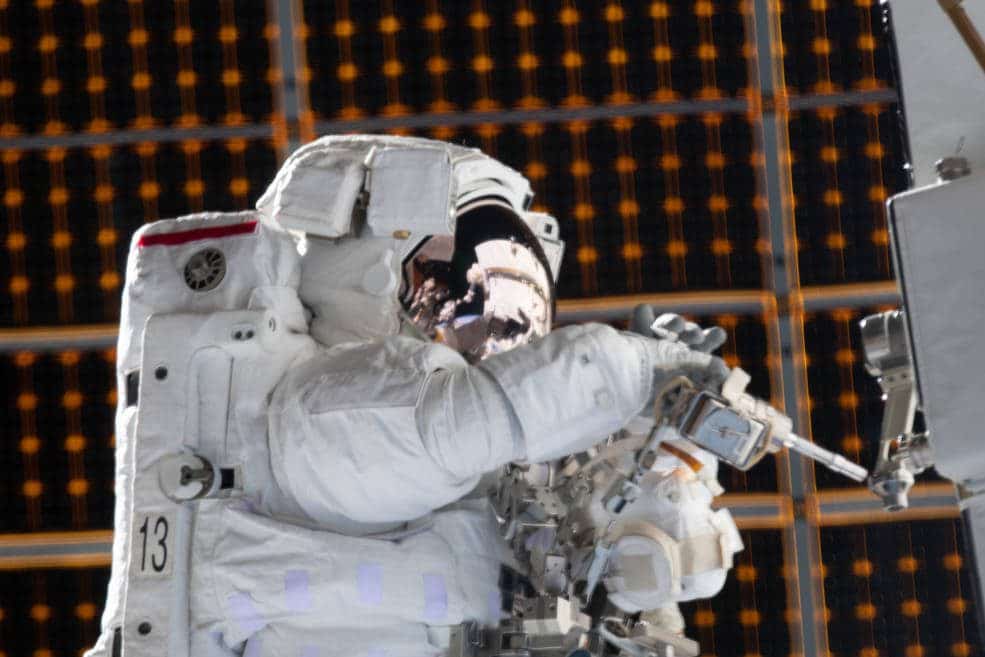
[204, 297]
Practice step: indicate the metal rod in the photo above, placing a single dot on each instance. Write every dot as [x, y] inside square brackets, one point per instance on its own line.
[808, 631]
[845, 99]
[851, 295]
[831, 460]
[751, 511]
[598, 112]
[287, 89]
[548, 115]
[859, 506]
[293, 99]
[689, 303]
[966, 28]
[83, 549]
[126, 137]
[57, 338]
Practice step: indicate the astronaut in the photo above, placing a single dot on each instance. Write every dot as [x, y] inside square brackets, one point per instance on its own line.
[314, 394]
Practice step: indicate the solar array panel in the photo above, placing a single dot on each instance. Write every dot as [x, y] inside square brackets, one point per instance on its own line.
[399, 57]
[70, 213]
[92, 66]
[845, 164]
[751, 615]
[52, 612]
[832, 45]
[904, 591]
[58, 441]
[647, 204]
[640, 126]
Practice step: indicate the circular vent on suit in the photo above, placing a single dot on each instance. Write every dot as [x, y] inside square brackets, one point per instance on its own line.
[205, 270]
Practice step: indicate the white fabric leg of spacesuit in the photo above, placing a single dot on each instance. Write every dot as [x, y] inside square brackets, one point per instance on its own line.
[324, 585]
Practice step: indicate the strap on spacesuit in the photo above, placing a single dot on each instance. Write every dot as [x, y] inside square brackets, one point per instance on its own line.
[690, 461]
[685, 453]
[407, 529]
[699, 554]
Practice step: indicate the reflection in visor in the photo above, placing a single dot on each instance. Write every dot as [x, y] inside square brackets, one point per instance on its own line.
[484, 290]
[506, 300]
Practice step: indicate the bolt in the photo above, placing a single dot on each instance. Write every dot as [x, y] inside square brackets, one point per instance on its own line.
[952, 168]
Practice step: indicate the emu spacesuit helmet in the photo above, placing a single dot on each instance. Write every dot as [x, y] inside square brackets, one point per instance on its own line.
[394, 232]
[485, 289]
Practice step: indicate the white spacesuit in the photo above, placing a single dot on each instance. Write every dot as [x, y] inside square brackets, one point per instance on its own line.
[346, 392]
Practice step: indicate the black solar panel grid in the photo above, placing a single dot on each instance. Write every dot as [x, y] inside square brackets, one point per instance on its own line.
[57, 446]
[77, 66]
[845, 163]
[749, 616]
[679, 191]
[71, 213]
[397, 57]
[900, 589]
[645, 204]
[50, 613]
[835, 45]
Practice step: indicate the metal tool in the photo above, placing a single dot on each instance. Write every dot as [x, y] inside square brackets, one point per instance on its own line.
[741, 429]
[902, 453]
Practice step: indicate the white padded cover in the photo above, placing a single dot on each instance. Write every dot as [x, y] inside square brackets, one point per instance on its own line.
[410, 190]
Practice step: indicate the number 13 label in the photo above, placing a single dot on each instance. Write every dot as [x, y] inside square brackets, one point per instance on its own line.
[153, 545]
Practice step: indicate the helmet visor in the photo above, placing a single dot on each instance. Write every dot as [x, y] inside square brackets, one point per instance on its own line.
[484, 291]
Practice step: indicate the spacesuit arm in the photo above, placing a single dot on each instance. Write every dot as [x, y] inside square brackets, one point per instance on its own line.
[388, 432]
[546, 400]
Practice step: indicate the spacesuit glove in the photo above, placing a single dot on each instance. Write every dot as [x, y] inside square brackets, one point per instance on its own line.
[671, 359]
[670, 326]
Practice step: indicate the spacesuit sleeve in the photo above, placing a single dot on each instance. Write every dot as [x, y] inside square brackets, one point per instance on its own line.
[548, 399]
[376, 438]
[344, 443]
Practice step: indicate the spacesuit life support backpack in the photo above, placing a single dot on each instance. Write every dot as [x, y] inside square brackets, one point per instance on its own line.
[216, 306]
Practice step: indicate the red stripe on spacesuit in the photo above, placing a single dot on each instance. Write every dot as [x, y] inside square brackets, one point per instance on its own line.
[185, 236]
